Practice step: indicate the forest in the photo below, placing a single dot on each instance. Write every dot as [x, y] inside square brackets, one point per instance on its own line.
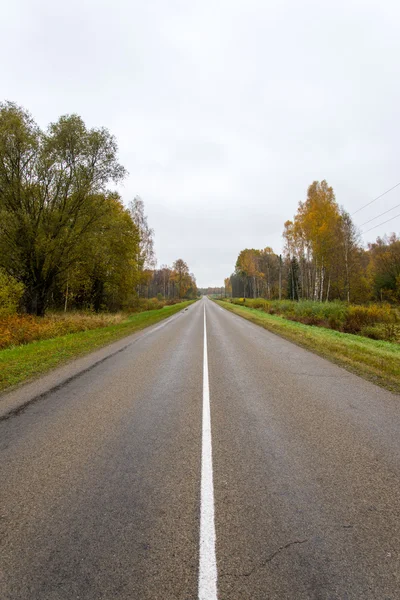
[323, 259]
[67, 238]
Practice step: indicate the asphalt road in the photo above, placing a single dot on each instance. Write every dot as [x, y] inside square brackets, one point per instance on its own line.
[101, 477]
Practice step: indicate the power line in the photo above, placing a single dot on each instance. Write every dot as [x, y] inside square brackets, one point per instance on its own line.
[381, 215]
[391, 219]
[377, 198]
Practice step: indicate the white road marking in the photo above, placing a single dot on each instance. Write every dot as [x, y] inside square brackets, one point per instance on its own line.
[208, 561]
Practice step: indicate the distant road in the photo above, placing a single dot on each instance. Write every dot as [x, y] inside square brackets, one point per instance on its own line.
[109, 489]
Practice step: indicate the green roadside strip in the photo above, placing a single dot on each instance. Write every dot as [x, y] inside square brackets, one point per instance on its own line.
[19, 364]
[376, 361]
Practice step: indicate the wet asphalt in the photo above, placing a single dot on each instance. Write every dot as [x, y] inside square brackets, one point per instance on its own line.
[100, 478]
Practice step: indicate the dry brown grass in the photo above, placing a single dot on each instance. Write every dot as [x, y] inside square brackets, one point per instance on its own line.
[22, 329]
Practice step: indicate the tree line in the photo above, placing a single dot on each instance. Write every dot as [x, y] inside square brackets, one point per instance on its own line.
[66, 239]
[322, 260]
[212, 291]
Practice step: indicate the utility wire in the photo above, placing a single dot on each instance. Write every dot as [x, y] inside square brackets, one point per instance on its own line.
[391, 219]
[381, 215]
[377, 198]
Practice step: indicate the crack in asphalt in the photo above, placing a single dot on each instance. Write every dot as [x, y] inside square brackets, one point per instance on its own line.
[266, 561]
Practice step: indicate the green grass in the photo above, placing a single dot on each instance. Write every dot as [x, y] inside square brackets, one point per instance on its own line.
[377, 321]
[377, 361]
[21, 363]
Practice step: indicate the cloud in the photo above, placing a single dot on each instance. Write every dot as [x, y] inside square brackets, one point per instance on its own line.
[224, 111]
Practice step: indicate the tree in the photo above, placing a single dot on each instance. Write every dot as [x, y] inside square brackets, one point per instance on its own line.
[105, 275]
[228, 286]
[385, 267]
[146, 256]
[181, 276]
[170, 282]
[269, 267]
[53, 191]
[345, 267]
[191, 291]
[247, 268]
[293, 280]
[324, 241]
[316, 220]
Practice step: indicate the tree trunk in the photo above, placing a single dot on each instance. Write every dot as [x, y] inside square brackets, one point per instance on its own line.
[328, 290]
[280, 277]
[97, 294]
[321, 295]
[292, 275]
[301, 265]
[316, 282]
[36, 299]
[346, 262]
[66, 295]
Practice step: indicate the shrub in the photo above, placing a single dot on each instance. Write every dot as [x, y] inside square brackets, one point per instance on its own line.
[258, 303]
[392, 332]
[142, 304]
[372, 332]
[358, 317]
[11, 292]
[22, 329]
[378, 321]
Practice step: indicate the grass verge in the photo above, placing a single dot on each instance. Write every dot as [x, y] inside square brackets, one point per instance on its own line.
[377, 361]
[19, 364]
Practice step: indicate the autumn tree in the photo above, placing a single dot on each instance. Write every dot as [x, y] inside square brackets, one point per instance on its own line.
[269, 267]
[181, 276]
[346, 268]
[385, 267]
[324, 241]
[53, 190]
[317, 220]
[228, 286]
[247, 266]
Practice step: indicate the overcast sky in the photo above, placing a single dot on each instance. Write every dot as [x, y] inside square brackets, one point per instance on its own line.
[224, 111]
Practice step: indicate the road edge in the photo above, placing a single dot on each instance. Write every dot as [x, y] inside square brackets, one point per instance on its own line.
[363, 373]
[16, 400]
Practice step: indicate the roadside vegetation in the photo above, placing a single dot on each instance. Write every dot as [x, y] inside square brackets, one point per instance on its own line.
[77, 263]
[326, 291]
[17, 329]
[375, 321]
[20, 363]
[377, 361]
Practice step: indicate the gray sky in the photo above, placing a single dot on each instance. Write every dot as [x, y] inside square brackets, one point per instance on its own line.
[224, 111]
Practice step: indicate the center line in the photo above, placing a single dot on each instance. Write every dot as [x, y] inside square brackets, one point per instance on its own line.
[208, 561]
